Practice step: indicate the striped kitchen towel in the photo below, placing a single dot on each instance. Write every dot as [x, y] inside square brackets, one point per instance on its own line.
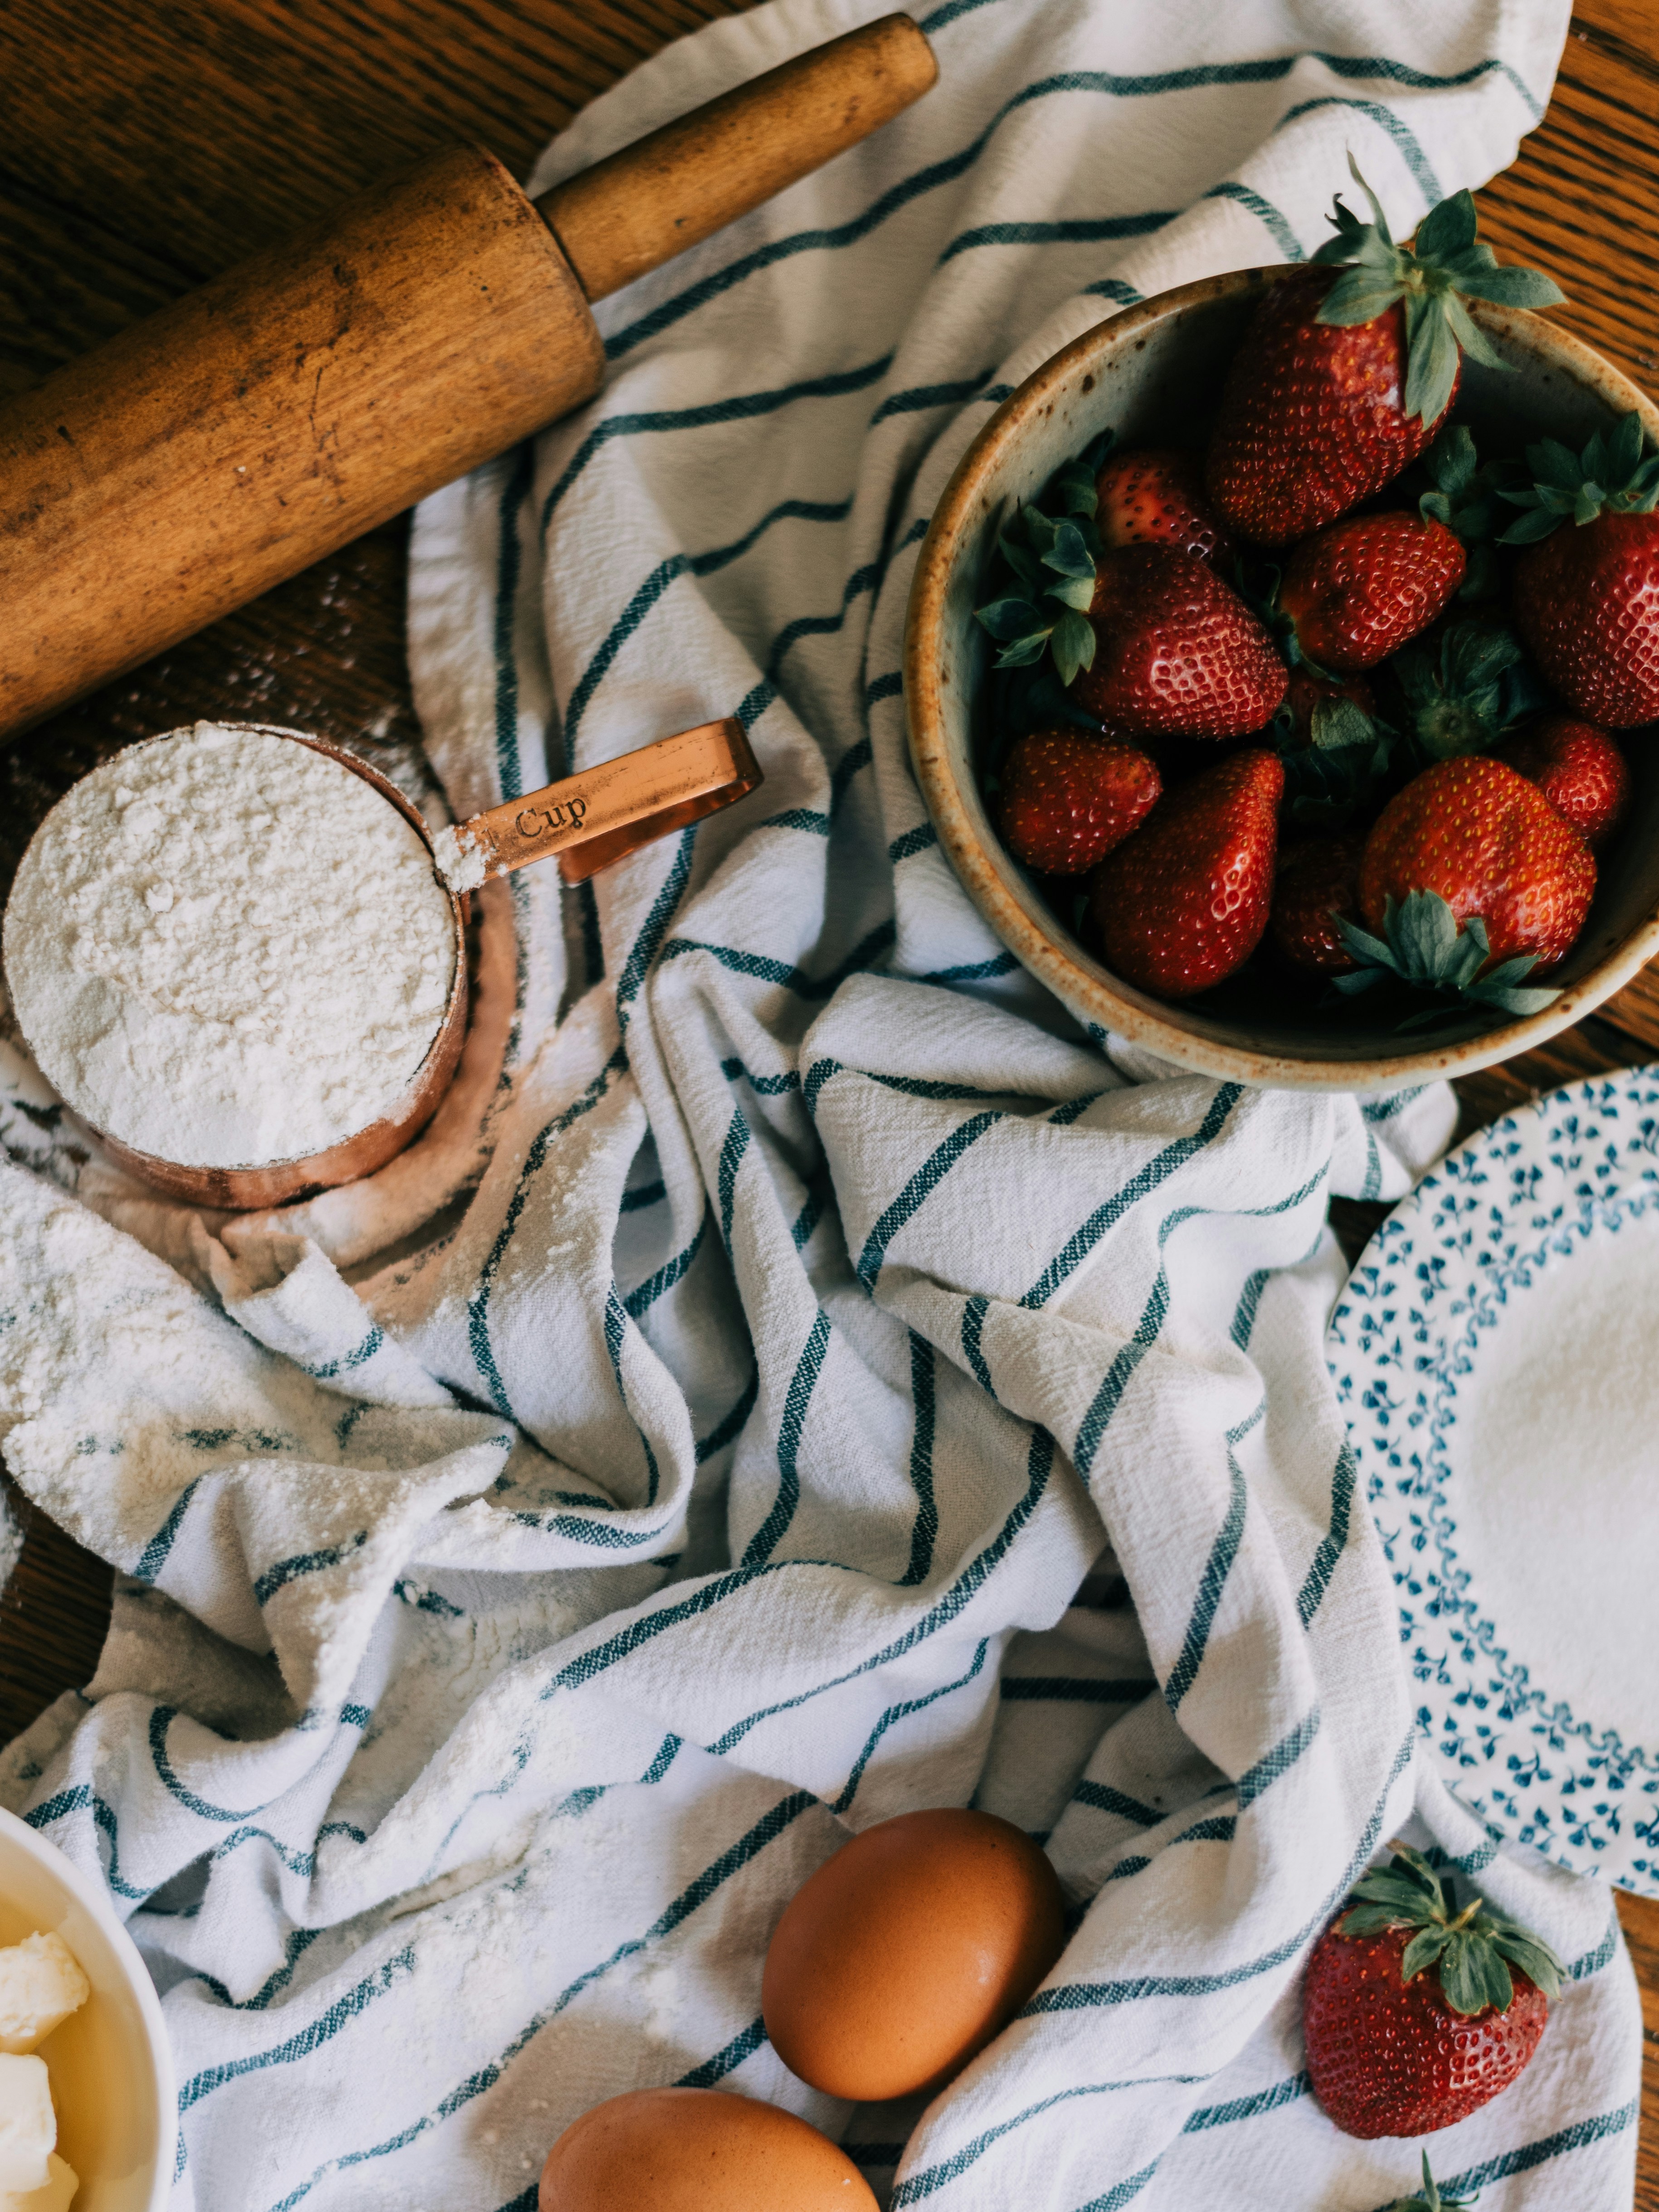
[801, 1376]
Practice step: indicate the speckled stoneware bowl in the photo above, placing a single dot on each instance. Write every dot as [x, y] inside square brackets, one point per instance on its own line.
[1151, 374]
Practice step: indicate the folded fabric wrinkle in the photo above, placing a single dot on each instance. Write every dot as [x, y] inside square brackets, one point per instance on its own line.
[509, 1624]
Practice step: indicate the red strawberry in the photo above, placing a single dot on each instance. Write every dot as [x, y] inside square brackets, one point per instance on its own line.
[1416, 2013]
[1587, 596]
[1306, 691]
[1317, 877]
[1390, 2058]
[1580, 770]
[1586, 603]
[1327, 400]
[1359, 588]
[1313, 417]
[1176, 650]
[1185, 902]
[1068, 798]
[1157, 498]
[1490, 844]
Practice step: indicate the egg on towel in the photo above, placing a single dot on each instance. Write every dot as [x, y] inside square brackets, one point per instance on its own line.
[906, 1952]
[698, 2150]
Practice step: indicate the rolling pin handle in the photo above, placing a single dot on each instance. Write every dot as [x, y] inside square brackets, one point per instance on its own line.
[676, 187]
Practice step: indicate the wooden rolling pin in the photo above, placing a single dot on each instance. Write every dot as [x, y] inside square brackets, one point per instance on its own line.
[234, 438]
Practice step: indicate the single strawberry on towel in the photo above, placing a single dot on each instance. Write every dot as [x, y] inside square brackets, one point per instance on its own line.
[1184, 901]
[1416, 2011]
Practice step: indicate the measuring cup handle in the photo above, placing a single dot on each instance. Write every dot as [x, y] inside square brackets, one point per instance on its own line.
[599, 817]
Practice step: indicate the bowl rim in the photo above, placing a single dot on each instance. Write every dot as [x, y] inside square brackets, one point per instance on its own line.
[979, 863]
[58, 1866]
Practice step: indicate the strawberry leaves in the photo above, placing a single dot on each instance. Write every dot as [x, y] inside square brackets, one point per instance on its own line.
[1422, 944]
[1447, 266]
[1463, 697]
[1052, 557]
[1613, 474]
[1338, 726]
[1328, 780]
[1472, 1949]
[1464, 499]
[1407, 1893]
[1430, 2199]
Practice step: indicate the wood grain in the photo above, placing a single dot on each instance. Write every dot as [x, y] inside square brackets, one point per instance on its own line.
[328, 381]
[253, 428]
[147, 149]
[683, 183]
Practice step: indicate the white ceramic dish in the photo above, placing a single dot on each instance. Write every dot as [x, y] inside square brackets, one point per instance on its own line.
[111, 2075]
[1493, 1354]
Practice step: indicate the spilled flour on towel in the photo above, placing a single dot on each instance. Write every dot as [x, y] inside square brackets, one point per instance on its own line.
[225, 948]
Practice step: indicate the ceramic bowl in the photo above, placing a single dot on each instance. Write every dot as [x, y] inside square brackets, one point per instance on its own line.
[1151, 374]
[111, 2075]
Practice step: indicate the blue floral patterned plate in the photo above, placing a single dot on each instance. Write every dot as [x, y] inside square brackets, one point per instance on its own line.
[1495, 1353]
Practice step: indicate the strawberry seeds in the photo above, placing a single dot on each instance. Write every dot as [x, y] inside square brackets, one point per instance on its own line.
[1333, 699]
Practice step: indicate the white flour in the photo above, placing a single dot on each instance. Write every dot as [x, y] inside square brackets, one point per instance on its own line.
[225, 949]
[459, 861]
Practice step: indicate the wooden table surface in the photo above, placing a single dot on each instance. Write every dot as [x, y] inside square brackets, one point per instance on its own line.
[148, 148]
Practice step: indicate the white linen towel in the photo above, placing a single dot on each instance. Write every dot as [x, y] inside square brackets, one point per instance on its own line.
[536, 1559]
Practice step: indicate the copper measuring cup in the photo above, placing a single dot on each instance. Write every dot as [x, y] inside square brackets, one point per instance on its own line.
[589, 821]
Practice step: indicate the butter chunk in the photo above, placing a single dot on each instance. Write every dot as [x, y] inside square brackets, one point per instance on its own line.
[62, 2182]
[40, 1985]
[28, 2126]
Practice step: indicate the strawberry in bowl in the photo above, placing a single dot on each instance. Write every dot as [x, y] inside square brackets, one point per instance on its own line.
[1273, 534]
[1176, 651]
[1581, 771]
[1068, 797]
[1157, 498]
[1587, 586]
[1470, 881]
[1182, 905]
[1341, 382]
[1358, 590]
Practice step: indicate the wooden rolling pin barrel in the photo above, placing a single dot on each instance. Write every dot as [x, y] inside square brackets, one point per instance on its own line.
[258, 425]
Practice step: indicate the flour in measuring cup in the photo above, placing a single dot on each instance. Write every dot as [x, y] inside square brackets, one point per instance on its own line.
[225, 949]
[460, 862]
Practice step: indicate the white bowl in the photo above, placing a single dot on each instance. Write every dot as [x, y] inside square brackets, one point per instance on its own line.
[111, 2072]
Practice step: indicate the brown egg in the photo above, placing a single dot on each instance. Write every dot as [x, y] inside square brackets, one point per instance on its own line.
[698, 2150]
[906, 1952]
